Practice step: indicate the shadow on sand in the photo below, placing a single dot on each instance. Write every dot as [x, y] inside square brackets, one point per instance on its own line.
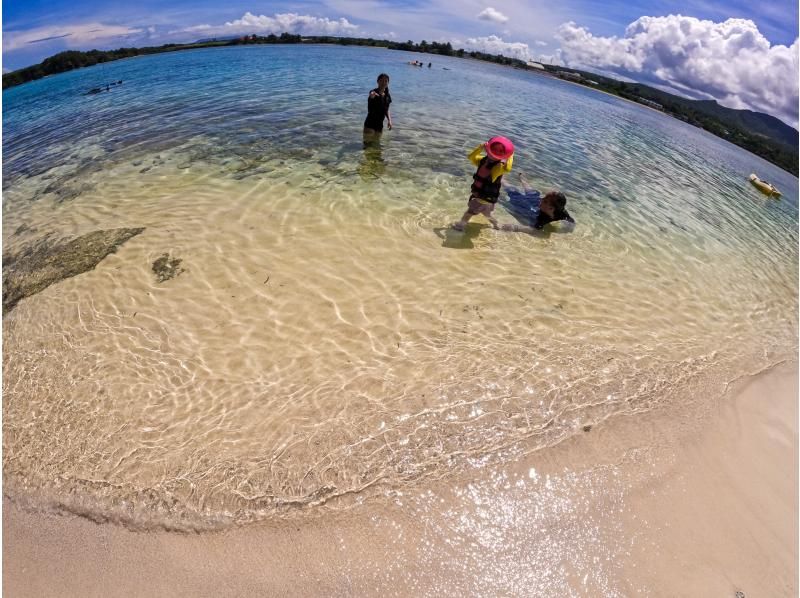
[455, 239]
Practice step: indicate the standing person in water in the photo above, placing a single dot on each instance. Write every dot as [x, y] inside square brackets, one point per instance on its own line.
[487, 179]
[378, 107]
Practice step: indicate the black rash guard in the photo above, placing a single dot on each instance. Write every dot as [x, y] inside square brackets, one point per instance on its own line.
[377, 107]
[543, 219]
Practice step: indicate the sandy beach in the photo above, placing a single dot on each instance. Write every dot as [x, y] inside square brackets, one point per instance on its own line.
[247, 355]
[659, 505]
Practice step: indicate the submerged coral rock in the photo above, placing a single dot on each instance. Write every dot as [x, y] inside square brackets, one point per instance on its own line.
[48, 261]
[166, 268]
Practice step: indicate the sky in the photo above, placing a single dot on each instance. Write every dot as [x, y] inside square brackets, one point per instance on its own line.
[742, 53]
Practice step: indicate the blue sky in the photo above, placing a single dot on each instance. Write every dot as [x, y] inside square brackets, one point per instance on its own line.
[694, 48]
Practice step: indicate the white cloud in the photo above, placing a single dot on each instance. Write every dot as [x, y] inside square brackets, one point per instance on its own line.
[71, 35]
[495, 45]
[731, 61]
[490, 14]
[277, 23]
[193, 29]
[555, 58]
[541, 44]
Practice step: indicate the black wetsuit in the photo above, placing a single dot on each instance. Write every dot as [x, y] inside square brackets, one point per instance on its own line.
[525, 208]
[542, 219]
[377, 107]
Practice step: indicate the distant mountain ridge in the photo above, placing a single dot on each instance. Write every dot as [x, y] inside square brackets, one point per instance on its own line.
[755, 122]
[222, 38]
[760, 133]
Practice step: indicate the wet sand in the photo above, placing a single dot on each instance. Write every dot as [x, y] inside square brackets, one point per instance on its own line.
[658, 504]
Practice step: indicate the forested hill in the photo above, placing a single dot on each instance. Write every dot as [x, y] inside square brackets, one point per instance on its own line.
[762, 134]
[756, 123]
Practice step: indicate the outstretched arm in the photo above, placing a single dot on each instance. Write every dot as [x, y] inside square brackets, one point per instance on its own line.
[475, 155]
[518, 228]
[507, 164]
[568, 222]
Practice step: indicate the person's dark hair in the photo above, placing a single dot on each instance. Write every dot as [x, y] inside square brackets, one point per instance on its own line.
[381, 76]
[559, 200]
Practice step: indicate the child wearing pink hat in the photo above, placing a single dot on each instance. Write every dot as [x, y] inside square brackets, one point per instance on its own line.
[485, 191]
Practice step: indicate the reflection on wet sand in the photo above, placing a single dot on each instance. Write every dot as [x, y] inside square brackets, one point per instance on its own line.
[372, 164]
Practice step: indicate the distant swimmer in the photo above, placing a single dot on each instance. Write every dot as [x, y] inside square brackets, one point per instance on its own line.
[108, 86]
[429, 64]
[534, 211]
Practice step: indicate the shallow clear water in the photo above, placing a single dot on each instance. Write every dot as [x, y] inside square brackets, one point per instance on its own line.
[330, 336]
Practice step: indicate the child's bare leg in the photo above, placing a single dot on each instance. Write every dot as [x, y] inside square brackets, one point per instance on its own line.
[463, 222]
[524, 182]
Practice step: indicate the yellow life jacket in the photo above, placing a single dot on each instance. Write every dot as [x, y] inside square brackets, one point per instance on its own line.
[498, 169]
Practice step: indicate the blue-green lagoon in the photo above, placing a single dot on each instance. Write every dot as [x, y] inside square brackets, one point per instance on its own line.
[330, 340]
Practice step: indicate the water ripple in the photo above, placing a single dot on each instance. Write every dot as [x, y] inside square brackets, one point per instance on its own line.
[330, 335]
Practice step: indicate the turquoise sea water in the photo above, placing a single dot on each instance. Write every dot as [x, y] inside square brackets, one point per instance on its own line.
[290, 99]
[330, 334]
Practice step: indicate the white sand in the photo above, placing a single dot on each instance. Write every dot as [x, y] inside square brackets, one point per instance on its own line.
[713, 513]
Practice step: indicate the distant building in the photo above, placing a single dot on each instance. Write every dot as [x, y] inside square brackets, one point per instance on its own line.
[535, 65]
[590, 82]
[569, 75]
[650, 103]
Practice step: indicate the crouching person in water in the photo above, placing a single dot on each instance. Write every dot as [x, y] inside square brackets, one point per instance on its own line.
[488, 178]
[534, 211]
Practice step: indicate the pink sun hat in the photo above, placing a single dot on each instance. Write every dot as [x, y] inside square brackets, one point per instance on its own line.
[499, 148]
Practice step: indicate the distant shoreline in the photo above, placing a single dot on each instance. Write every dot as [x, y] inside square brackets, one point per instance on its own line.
[757, 133]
